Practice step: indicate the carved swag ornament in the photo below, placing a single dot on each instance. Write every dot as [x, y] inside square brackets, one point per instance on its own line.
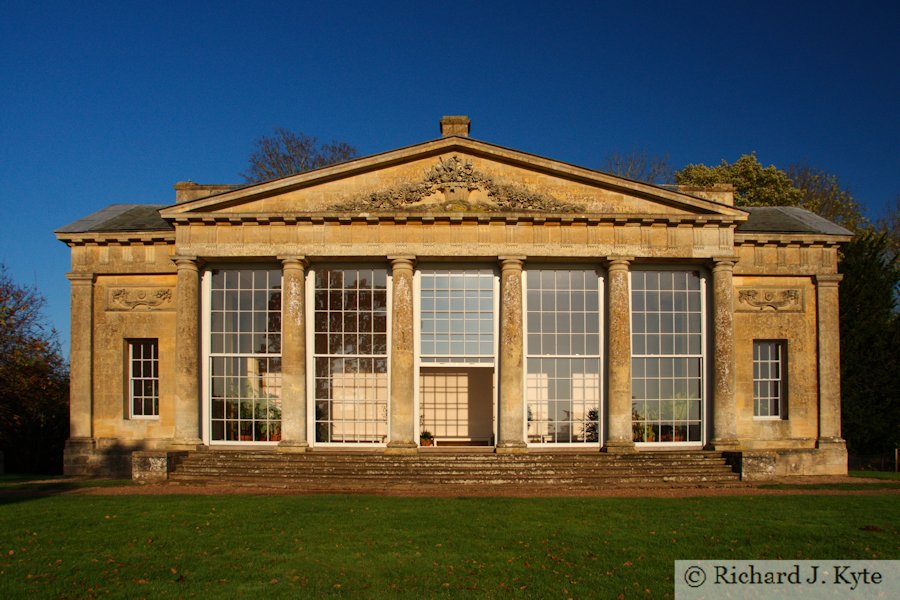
[778, 300]
[131, 298]
[456, 178]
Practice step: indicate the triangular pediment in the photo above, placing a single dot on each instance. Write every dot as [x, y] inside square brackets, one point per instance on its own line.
[453, 175]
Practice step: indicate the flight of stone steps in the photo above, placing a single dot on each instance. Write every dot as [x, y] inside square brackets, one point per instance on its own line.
[357, 471]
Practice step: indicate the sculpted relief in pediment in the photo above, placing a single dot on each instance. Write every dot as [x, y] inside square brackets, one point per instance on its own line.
[454, 185]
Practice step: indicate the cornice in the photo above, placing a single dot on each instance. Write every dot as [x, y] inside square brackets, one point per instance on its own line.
[118, 238]
[764, 238]
[238, 219]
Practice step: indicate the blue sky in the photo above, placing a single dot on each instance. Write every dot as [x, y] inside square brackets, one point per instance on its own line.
[113, 102]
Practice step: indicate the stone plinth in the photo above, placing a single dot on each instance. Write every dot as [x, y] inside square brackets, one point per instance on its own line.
[151, 466]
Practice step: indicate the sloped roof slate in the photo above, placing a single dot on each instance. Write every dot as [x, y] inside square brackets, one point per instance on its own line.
[121, 217]
[787, 219]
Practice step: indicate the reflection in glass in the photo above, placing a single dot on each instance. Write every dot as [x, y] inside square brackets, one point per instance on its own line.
[351, 369]
[563, 382]
[667, 359]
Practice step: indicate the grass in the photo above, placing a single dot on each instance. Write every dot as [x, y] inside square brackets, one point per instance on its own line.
[890, 475]
[889, 481]
[74, 546]
[55, 483]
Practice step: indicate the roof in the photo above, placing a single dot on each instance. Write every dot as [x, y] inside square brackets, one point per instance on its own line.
[145, 217]
[787, 219]
[121, 217]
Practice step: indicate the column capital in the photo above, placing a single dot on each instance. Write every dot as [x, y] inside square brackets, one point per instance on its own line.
[294, 261]
[80, 278]
[619, 263]
[402, 261]
[511, 262]
[828, 280]
[724, 263]
[186, 262]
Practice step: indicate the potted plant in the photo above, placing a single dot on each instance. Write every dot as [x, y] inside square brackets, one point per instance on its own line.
[426, 439]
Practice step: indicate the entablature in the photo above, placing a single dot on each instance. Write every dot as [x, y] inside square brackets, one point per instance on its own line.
[118, 238]
[457, 217]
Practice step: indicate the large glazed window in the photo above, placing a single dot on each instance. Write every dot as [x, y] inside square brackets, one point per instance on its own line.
[350, 354]
[563, 355]
[667, 315]
[245, 355]
[457, 316]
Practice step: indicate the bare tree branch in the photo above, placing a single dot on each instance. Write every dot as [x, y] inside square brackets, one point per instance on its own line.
[287, 153]
[640, 166]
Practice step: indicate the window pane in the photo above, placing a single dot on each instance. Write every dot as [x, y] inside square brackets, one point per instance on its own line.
[563, 383]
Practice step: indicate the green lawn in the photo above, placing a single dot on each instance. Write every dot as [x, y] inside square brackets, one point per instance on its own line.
[892, 475]
[360, 546]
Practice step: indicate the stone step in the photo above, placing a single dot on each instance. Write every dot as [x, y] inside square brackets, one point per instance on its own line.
[334, 470]
[370, 482]
[433, 469]
[407, 460]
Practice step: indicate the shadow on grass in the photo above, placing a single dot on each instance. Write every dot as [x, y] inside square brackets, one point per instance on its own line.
[19, 488]
[886, 475]
[886, 485]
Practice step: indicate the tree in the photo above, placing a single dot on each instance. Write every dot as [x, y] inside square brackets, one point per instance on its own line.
[823, 195]
[889, 224]
[869, 322]
[754, 185]
[870, 332]
[800, 185]
[34, 406]
[287, 153]
[640, 166]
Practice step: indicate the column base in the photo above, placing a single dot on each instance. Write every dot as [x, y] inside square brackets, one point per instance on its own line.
[511, 448]
[619, 447]
[182, 445]
[78, 456]
[724, 445]
[401, 448]
[291, 447]
[831, 443]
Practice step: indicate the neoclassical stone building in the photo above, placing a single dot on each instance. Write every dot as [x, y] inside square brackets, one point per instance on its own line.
[480, 294]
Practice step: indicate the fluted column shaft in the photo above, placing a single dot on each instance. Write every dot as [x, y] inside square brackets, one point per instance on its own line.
[724, 402]
[187, 352]
[511, 358]
[402, 410]
[293, 354]
[619, 359]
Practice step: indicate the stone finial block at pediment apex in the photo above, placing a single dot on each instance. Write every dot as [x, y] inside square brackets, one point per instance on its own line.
[448, 186]
[769, 299]
[125, 298]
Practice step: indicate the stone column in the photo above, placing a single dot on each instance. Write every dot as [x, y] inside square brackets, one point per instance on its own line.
[829, 359]
[80, 366]
[512, 352]
[187, 353]
[724, 402]
[402, 353]
[619, 359]
[293, 355]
